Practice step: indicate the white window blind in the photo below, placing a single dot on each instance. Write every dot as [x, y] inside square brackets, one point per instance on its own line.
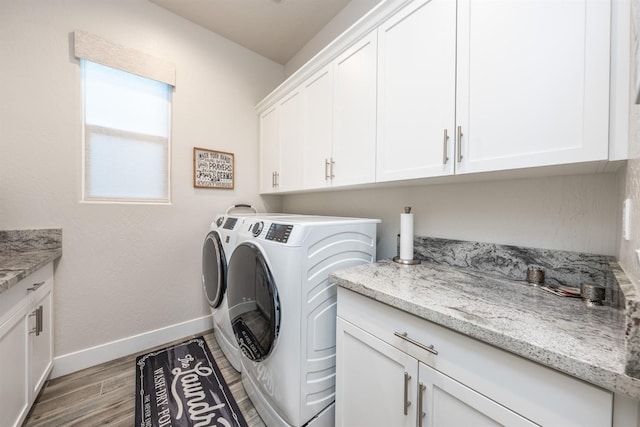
[126, 134]
[127, 114]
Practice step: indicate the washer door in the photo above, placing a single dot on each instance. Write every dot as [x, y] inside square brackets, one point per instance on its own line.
[254, 307]
[214, 269]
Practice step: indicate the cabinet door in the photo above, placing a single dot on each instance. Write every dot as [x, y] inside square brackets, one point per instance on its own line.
[416, 91]
[533, 82]
[291, 139]
[354, 142]
[41, 337]
[317, 141]
[268, 149]
[14, 391]
[448, 403]
[370, 381]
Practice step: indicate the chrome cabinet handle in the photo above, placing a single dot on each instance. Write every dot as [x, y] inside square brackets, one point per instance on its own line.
[35, 286]
[326, 170]
[459, 144]
[39, 321]
[407, 377]
[421, 414]
[333, 164]
[404, 336]
[273, 179]
[445, 158]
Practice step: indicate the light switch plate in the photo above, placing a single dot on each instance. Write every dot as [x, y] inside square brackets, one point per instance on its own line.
[626, 219]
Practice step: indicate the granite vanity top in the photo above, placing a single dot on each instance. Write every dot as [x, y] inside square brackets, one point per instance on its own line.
[559, 332]
[22, 252]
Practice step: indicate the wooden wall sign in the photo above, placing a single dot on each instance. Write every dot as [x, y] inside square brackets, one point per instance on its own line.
[213, 169]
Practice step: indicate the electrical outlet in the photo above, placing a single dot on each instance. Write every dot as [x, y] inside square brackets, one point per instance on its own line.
[626, 219]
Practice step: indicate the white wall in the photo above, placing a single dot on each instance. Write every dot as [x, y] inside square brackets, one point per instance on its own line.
[126, 269]
[629, 178]
[353, 11]
[574, 213]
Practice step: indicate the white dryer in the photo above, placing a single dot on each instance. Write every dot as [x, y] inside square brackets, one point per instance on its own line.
[216, 250]
[282, 309]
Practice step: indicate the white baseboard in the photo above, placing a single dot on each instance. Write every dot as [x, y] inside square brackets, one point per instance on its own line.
[76, 361]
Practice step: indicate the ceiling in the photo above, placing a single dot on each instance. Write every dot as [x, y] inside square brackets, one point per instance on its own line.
[276, 29]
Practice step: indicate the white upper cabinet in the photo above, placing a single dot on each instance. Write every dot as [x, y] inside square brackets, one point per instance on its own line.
[291, 137]
[416, 91]
[429, 88]
[317, 150]
[269, 150]
[281, 144]
[533, 83]
[354, 113]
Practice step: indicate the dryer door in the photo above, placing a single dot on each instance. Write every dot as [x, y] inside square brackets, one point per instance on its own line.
[214, 269]
[254, 307]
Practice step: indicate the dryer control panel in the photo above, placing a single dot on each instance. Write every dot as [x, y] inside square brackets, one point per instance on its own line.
[279, 232]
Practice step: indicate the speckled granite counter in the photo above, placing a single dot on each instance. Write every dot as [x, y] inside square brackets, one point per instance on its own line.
[22, 252]
[562, 333]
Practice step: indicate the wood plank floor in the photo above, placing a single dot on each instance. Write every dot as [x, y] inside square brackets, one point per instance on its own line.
[105, 394]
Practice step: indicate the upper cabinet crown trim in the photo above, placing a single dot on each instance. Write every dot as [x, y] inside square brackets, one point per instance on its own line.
[359, 29]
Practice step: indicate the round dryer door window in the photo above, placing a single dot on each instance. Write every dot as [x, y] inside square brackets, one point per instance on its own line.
[214, 269]
[254, 307]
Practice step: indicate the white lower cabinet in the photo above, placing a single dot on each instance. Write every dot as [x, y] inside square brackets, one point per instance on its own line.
[395, 369]
[413, 394]
[370, 380]
[41, 339]
[26, 343]
[14, 353]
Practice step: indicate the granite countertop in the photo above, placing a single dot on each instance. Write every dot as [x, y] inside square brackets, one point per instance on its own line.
[22, 252]
[559, 332]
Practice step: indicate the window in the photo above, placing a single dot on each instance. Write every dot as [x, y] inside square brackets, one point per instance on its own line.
[126, 135]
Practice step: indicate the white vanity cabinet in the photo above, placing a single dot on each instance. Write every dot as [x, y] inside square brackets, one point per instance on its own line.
[393, 368]
[26, 343]
[428, 397]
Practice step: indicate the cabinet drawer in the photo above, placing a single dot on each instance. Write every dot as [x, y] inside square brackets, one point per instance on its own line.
[538, 393]
[10, 299]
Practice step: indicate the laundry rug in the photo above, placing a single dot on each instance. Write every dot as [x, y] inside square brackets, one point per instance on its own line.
[181, 386]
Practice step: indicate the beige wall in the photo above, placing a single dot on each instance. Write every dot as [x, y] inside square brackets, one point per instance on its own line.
[630, 178]
[353, 11]
[126, 269]
[575, 213]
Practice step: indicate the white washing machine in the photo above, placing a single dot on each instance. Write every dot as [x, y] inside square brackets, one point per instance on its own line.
[283, 310]
[216, 251]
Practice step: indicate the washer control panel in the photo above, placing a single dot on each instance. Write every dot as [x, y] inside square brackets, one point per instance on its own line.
[230, 223]
[279, 232]
[257, 228]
